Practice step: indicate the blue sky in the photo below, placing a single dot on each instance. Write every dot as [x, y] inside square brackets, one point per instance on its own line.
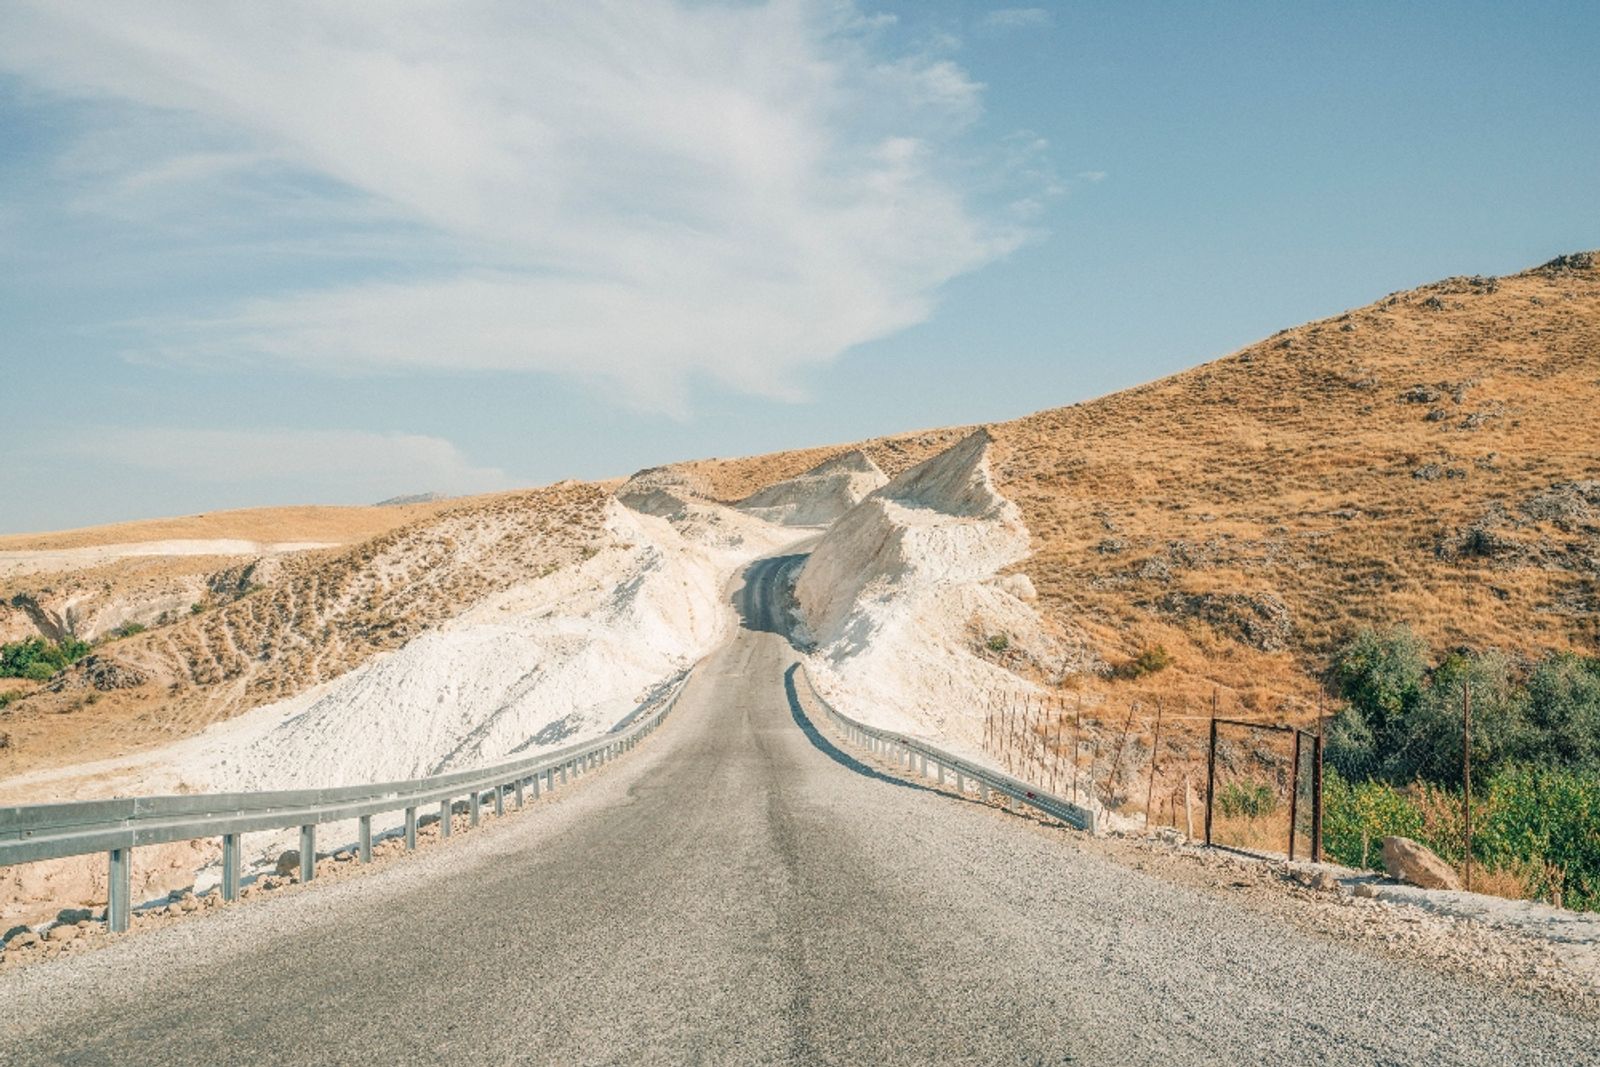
[321, 253]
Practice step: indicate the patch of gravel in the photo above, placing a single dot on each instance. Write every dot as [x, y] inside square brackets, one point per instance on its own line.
[1467, 948]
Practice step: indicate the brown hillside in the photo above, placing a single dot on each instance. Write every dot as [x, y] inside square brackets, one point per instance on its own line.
[1432, 458]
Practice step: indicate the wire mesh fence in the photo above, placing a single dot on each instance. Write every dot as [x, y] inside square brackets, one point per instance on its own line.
[1146, 764]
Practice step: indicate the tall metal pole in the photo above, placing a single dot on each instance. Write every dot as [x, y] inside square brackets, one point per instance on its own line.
[1466, 770]
[1155, 749]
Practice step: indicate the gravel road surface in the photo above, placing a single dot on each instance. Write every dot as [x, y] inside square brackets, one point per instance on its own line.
[741, 890]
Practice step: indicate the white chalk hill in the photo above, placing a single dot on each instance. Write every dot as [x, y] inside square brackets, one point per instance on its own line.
[900, 593]
[820, 495]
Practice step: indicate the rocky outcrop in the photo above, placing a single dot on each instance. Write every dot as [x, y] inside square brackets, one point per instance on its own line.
[1408, 861]
[1261, 621]
[820, 495]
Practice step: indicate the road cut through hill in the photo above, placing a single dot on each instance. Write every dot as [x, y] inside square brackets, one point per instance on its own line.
[742, 889]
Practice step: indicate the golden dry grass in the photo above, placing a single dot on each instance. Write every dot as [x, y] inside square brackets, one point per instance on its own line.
[332, 525]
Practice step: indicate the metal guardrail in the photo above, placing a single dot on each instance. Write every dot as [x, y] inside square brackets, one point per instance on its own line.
[52, 831]
[916, 755]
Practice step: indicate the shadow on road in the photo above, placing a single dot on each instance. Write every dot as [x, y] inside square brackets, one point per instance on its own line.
[833, 752]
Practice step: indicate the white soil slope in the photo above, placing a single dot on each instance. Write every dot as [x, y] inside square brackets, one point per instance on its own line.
[539, 665]
[901, 593]
[821, 495]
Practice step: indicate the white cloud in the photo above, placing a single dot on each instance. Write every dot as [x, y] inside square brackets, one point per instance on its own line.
[1016, 18]
[637, 194]
[347, 465]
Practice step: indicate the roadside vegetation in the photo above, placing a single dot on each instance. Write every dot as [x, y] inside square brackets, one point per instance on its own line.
[1395, 763]
[38, 660]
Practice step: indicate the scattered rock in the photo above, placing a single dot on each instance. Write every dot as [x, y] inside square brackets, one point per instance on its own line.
[1421, 394]
[1574, 261]
[288, 863]
[1408, 861]
[1261, 620]
[106, 674]
[24, 938]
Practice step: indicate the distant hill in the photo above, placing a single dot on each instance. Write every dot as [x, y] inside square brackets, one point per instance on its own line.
[413, 498]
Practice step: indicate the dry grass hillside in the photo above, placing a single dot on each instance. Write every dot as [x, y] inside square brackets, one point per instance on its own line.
[89, 582]
[1432, 458]
[317, 615]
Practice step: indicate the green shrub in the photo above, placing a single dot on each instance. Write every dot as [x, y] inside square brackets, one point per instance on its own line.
[37, 659]
[1403, 721]
[998, 643]
[1253, 800]
[9, 697]
[1148, 661]
[128, 629]
[1540, 824]
[1546, 824]
[1356, 817]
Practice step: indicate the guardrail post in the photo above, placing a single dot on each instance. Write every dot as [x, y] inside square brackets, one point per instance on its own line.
[536, 787]
[308, 851]
[500, 799]
[411, 829]
[364, 839]
[961, 782]
[564, 767]
[519, 791]
[983, 791]
[941, 772]
[119, 897]
[473, 803]
[230, 866]
[444, 818]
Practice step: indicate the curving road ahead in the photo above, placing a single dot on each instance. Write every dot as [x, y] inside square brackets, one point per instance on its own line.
[740, 890]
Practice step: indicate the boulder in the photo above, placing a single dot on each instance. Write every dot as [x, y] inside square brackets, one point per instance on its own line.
[288, 863]
[1408, 861]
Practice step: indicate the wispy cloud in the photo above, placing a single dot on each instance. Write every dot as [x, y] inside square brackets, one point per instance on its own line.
[640, 194]
[1016, 18]
[348, 465]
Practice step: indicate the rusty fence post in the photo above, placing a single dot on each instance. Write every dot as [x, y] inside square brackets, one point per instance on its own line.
[1116, 760]
[1155, 749]
[1466, 771]
[1294, 795]
[1316, 798]
[1211, 768]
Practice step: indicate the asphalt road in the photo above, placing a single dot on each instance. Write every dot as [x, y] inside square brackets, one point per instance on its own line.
[740, 890]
